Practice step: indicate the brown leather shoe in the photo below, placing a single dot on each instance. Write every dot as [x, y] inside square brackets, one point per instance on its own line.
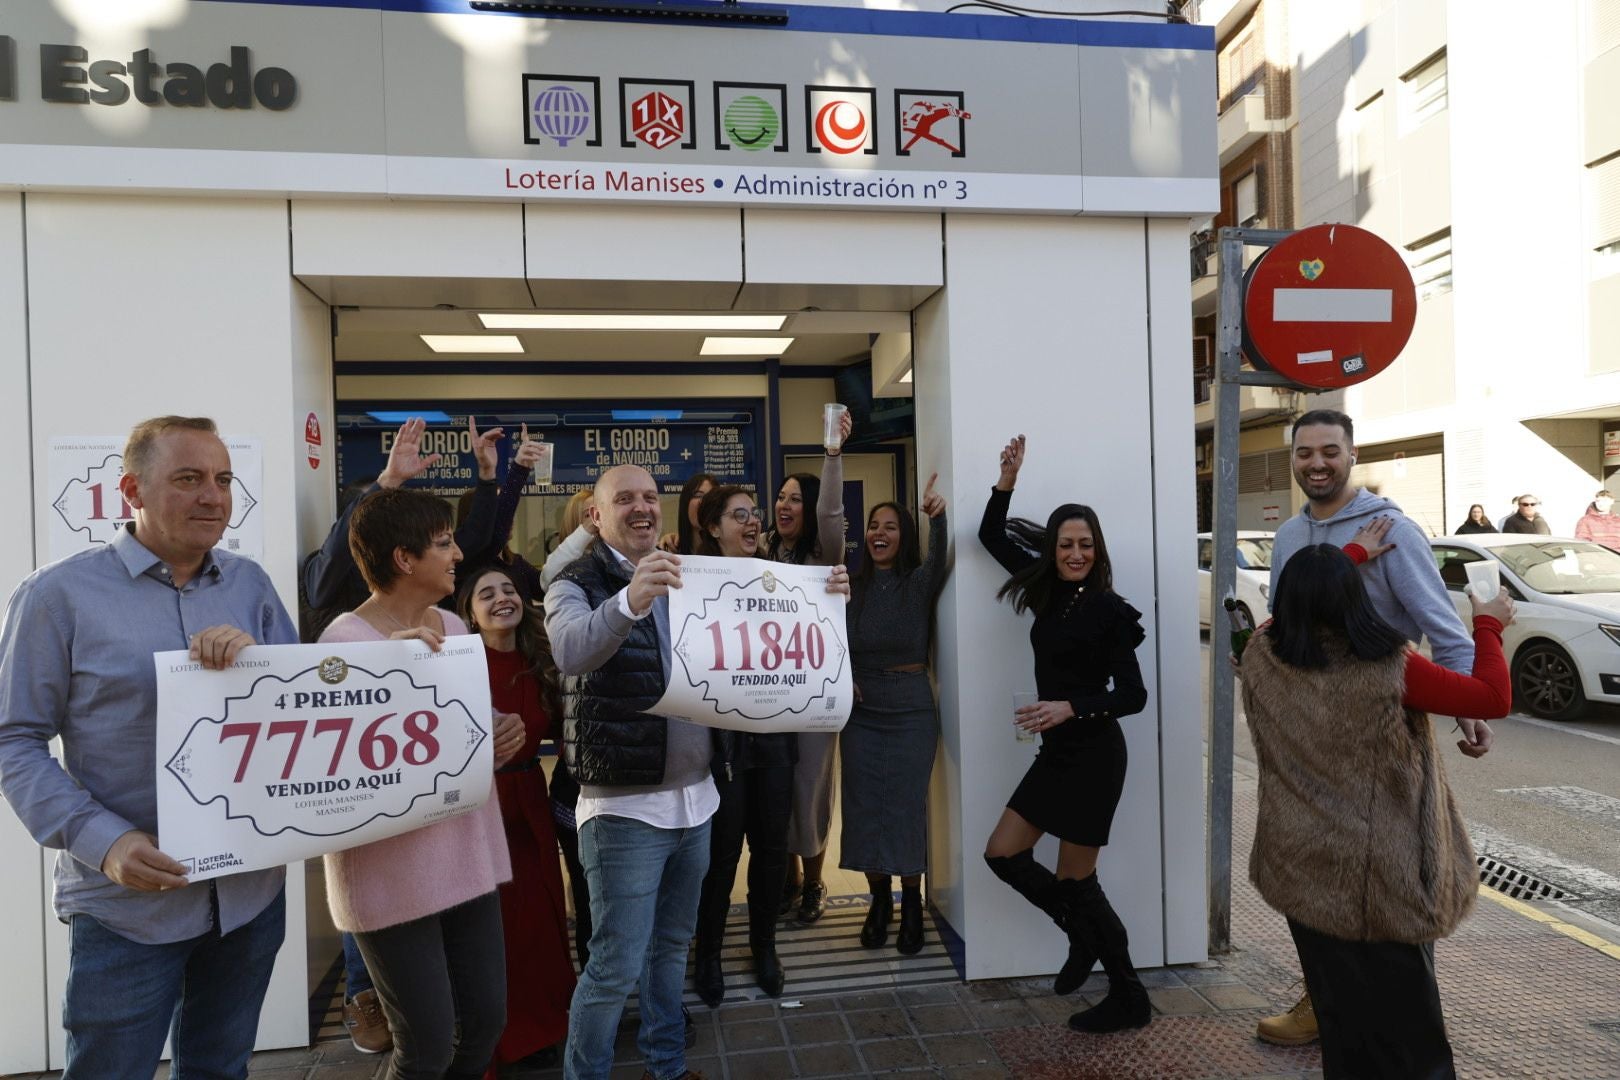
[1296, 1027]
[368, 1027]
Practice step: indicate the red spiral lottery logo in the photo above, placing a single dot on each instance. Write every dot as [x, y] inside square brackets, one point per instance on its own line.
[841, 127]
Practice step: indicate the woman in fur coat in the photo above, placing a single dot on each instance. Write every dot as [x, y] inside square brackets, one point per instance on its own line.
[1358, 840]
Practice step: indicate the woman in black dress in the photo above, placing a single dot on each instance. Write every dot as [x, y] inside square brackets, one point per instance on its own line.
[1084, 635]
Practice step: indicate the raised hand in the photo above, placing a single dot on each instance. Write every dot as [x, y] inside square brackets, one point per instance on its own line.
[405, 458]
[846, 424]
[1012, 459]
[529, 451]
[484, 447]
[656, 574]
[933, 504]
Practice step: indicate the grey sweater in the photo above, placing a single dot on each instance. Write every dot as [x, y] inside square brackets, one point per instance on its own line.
[1404, 585]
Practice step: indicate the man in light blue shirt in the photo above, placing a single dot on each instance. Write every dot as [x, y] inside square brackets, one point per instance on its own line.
[150, 955]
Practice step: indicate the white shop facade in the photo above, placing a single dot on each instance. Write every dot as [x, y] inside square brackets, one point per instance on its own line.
[968, 225]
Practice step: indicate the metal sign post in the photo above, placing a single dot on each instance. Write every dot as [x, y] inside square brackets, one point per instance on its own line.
[1327, 307]
[1230, 378]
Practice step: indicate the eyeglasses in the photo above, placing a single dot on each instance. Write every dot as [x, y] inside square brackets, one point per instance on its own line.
[1529, 504]
[742, 514]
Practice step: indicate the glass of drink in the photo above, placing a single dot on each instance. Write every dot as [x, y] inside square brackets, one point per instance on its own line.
[1020, 699]
[1484, 579]
[832, 434]
[542, 467]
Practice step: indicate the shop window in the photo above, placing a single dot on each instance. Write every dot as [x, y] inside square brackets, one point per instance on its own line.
[1430, 260]
[1423, 92]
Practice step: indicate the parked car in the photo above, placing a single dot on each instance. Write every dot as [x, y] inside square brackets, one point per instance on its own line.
[1253, 575]
[1564, 645]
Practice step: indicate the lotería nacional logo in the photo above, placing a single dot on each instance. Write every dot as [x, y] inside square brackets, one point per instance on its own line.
[564, 109]
[750, 116]
[332, 670]
[930, 120]
[841, 120]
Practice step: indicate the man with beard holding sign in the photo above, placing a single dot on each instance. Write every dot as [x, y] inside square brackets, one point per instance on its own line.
[646, 793]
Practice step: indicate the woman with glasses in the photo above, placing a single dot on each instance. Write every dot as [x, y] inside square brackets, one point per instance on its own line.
[756, 797]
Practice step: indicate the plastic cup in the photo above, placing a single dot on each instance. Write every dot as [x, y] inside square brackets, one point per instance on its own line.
[542, 468]
[1484, 579]
[832, 435]
[1020, 699]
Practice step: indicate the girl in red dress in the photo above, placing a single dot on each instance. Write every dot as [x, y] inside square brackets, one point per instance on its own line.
[522, 680]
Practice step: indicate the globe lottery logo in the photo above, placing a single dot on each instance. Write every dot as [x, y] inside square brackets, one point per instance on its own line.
[751, 123]
[562, 109]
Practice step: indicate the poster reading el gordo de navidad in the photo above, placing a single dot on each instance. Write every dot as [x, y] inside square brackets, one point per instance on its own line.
[757, 646]
[298, 750]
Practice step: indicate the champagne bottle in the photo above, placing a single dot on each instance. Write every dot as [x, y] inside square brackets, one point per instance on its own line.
[1242, 628]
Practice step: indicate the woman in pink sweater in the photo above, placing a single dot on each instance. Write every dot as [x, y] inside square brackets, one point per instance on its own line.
[423, 905]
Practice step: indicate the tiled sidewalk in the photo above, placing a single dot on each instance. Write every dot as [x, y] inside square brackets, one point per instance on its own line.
[1522, 999]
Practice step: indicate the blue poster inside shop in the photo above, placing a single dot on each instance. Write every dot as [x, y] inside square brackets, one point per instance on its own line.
[672, 443]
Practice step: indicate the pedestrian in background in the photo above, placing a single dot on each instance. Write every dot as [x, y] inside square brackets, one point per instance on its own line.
[1476, 522]
[1527, 517]
[1600, 524]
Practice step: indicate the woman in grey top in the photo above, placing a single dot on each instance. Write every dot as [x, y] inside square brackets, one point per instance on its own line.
[809, 539]
[889, 742]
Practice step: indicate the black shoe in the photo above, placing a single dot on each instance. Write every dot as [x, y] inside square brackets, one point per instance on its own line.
[812, 902]
[1125, 1007]
[875, 930]
[768, 973]
[910, 938]
[691, 1027]
[1071, 917]
[709, 982]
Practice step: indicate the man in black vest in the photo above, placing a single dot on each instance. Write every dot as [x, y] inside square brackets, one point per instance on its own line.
[646, 792]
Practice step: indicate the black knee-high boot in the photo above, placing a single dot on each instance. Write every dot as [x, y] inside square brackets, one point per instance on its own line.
[768, 972]
[714, 905]
[1061, 900]
[1127, 1004]
[875, 930]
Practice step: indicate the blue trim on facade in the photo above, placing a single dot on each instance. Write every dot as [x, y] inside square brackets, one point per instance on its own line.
[802, 18]
[776, 469]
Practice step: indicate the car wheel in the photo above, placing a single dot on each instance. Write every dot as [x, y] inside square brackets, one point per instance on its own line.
[1546, 682]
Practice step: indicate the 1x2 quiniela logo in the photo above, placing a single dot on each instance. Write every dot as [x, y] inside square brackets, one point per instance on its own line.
[659, 117]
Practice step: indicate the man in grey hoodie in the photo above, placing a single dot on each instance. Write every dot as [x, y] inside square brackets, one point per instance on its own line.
[1402, 582]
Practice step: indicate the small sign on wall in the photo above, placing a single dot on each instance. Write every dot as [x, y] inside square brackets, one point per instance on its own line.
[1611, 447]
[87, 509]
[1271, 515]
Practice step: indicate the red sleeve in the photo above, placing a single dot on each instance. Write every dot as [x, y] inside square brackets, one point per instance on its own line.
[1485, 695]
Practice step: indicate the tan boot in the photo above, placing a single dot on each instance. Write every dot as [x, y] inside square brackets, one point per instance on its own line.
[1296, 1027]
[368, 1027]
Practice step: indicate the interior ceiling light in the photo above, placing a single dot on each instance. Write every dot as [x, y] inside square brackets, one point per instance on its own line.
[745, 346]
[472, 343]
[572, 321]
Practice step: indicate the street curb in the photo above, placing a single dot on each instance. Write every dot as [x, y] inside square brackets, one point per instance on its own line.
[1585, 937]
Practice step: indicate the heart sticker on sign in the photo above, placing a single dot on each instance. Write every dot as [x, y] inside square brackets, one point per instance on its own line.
[1311, 270]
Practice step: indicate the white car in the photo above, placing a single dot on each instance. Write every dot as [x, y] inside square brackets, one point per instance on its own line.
[1563, 648]
[1253, 576]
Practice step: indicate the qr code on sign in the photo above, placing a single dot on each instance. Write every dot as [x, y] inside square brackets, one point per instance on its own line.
[832, 703]
[452, 797]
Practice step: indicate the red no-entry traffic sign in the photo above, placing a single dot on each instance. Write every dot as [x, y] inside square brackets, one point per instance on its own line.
[1329, 306]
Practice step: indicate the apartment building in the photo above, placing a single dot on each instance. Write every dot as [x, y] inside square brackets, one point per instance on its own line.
[1415, 119]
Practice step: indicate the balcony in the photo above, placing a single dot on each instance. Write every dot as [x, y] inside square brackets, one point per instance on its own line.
[1243, 124]
[1202, 251]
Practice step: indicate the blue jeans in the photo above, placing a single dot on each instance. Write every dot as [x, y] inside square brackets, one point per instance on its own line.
[644, 899]
[205, 993]
[356, 979]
